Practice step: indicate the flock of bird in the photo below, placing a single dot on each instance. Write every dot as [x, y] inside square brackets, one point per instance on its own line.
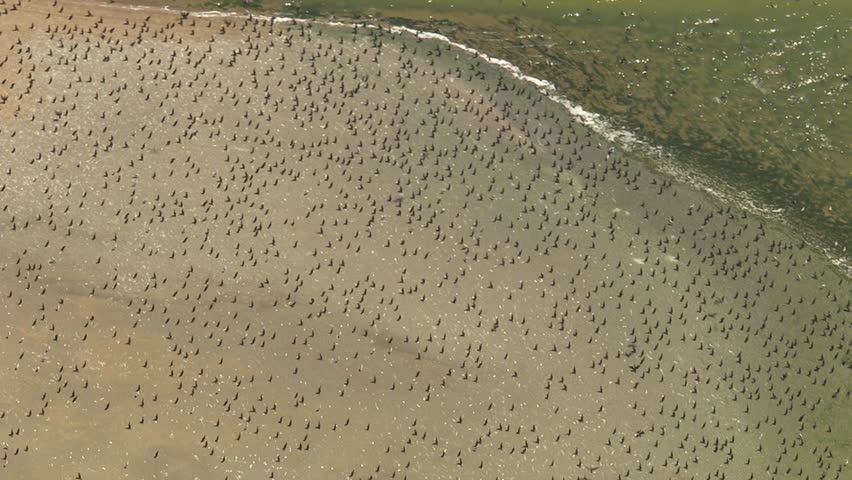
[239, 248]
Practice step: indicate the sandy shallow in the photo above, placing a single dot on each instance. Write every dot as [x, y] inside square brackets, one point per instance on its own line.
[237, 249]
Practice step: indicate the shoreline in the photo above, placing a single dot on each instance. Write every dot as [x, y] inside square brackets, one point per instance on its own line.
[656, 157]
[363, 233]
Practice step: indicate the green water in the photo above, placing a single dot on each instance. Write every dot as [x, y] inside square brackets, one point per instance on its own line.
[754, 94]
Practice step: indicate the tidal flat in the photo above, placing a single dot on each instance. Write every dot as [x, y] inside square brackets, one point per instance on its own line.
[232, 248]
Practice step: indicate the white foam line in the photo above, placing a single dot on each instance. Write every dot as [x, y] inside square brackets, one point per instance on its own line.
[593, 121]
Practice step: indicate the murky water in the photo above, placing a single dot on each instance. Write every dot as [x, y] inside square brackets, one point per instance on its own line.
[752, 93]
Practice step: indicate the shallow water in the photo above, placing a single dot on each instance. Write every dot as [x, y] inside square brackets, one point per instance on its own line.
[753, 94]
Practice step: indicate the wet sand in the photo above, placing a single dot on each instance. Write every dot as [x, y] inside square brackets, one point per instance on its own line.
[237, 249]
